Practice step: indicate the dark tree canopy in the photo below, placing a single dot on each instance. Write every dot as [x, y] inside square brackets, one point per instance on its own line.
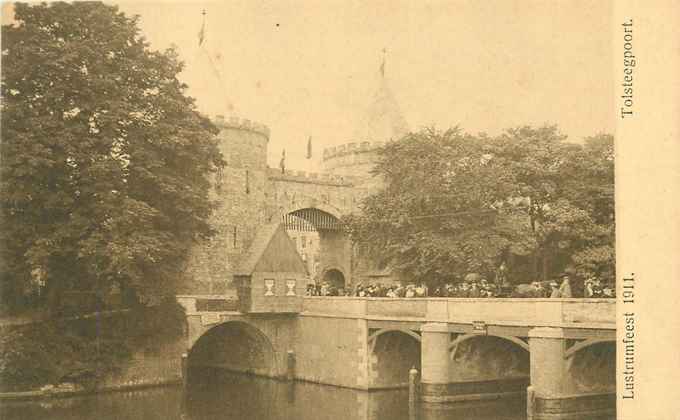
[454, 203]
[105, 160]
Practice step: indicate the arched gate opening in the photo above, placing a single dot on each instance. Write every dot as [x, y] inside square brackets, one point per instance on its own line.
[335, 278]
[233, 346]
[321, 242]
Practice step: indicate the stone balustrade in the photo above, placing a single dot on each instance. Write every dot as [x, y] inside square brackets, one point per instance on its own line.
[574, 312]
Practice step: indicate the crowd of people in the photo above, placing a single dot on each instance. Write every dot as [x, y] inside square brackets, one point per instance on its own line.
[478, 288]
[594, 288]
[472, 289]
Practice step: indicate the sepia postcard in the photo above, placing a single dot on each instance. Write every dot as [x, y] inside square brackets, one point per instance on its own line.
[370, 210]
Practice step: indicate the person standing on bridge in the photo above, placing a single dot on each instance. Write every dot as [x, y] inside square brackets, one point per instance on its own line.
[565, 287]
[555, 291]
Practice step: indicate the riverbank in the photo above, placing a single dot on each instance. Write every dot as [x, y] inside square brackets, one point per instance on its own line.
[74, 391]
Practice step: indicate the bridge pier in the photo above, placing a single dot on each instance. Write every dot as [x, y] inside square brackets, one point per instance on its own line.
[552, 394]
[435, 361]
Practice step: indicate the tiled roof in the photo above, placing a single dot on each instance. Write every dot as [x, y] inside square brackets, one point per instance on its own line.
[262, 238]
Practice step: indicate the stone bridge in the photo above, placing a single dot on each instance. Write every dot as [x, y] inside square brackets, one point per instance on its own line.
[562, 351]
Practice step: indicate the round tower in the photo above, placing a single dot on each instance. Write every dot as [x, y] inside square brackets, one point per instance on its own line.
[239, 190]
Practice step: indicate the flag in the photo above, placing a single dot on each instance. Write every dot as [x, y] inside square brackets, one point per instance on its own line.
[309, 148]
[382, 64]
[282, 164]
[201, 33]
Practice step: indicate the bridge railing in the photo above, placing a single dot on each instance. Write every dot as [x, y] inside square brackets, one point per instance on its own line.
[395, 307]
[337, 305]
[600, 312]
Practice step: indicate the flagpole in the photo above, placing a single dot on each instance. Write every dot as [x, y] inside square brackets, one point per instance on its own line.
[310, 156]
[204, 49]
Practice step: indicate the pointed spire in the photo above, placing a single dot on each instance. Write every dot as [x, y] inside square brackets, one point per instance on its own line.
[383, 120]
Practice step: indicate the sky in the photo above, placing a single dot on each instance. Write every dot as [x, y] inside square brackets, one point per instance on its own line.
[310, 68]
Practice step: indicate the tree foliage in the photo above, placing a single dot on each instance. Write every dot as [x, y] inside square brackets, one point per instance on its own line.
[105, 160]
[454, 203]
[84, 351]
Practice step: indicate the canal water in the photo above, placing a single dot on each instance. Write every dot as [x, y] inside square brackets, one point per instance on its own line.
[226, 396]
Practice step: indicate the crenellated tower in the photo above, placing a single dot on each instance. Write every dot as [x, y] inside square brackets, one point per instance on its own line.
[240, 189]
[250, 195]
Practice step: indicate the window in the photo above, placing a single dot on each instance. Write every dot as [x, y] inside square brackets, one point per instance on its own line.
[269, 287]
[290, 287]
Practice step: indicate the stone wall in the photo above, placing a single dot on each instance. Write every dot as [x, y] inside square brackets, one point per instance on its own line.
[240, 190]
[332, 351]
[357, 160]
[286, 194]
[159, 365]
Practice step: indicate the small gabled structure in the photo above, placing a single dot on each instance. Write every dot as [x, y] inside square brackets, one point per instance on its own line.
[272, 276]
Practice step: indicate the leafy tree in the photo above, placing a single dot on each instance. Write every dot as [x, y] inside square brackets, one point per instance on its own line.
[454, 203]
[84, 351]
[568, 192]
[105, 160]
[590, 183]
[439, 212]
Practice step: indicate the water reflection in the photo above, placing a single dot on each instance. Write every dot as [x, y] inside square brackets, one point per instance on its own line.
[223, 396]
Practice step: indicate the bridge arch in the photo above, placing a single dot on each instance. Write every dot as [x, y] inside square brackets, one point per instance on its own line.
[374, 336]
[392, 353]
[478, 357]
[585, 344]
[236, 346]
[453, 346]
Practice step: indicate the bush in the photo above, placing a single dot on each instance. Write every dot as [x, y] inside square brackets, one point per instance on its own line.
[83, 351]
